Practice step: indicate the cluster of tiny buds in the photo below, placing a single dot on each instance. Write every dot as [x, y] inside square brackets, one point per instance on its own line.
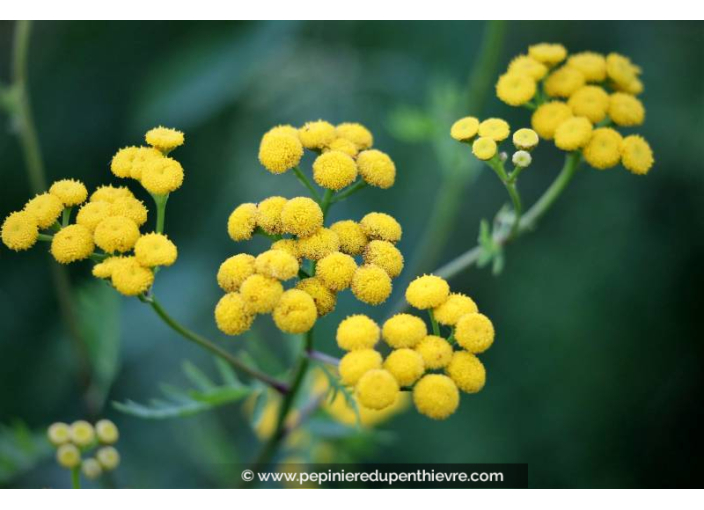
[72, 441]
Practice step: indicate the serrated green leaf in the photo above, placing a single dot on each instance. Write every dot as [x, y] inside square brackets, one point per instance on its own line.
[227, 373]
[197, 377]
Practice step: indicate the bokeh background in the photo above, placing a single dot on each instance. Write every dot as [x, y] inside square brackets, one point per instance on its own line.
[596, 375]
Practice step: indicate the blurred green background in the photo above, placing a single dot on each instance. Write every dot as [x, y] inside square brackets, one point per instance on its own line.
[596, 374]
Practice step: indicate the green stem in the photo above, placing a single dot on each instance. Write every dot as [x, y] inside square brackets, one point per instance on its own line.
[160, 201]
[65, 217]
[45, 237]
[326, 201]
[304, 180]
[481, 80]
[433, 322]
[213, 348]
[76, 477]
[360, 184]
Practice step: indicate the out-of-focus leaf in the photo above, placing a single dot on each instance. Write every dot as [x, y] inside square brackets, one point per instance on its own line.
[337, 388]
[410, 125]
[20, 450]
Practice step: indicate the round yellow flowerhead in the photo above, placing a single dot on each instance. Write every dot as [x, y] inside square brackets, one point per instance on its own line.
[92, 213]
[121, 164]
[351, 235]
[636, 155]
[323, 297]
[296, 312]
[404, 330]
[377, 168]
[153, 250]
[385, 255]
[336, 271]
[371, 284]
[548, 54]
[137, 160]
[301, 216]
[110, 193]
[232, 315]
[435, 351]
[515, 89]
[107, 432]
[547, 117]
[164, 139]
[573, 134]
[623, 73]
[591, 102]
[261, 293]
[108, 457]
[116, 233]
[484, 148]
[564, 82]
[162, 176]
[591, 65]
[82, 433]
[465, 129]
[269, 214]
[427, 291]
[381, 226]
[69, 191]
[455, 307]
[436, 396]
[242, 222]
[46, 209]
[525, 139]
[105, 268]
[317, 135]
[130, 278]
[626, 110]
[72, 243]
[334, 170]
[343, 145]
[20, 231]
[377, 389]
[60, 433]
[128, 207]
[284, 129]
[357, 332]
[604, 148]
[290, 246]
[91, 468]
[406, 365]
[277, 264]
[524, 64]
[356, 133]
[467, 371]
[474, 332]
[280, 151]
[496, 129]
[234, 271]
[355, 364]
[68, 456]
[319, 245]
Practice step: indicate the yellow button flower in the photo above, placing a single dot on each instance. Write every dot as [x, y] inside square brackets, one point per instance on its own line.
[92, 213]
[91, 468]
[140, 159]
[317, 135]
[355, 364]
[110, 193]
[72, 243]
[105, 268]
[381, 226]
[515, 89]
[234, 271]
[435, 351]
[385, 255]
[355, 133]
[436, 396]
[484, 148]
[525, 139]
[547, 53]
[406, 365]
[591, 102]
[323, 297]
[376, 168]
[319, 245]
[453, 308]
[46, 209]
[277, 264]
[591, 65]
[164, 139]
[564, 82]
[336, 271]
[301, 216]
[465, 129]
[290, 246]
[121, 164]
[68, 456]
[162, 176]
[371, 284]
[280, 151]
[108, 457]
[496, 129]
[427, 291]
[377, 389]
[69, 191]
[404, 330]
[232, 315]
[573, 134]
[636, 155]
[351, 235]
[529, 66]
[129, 207]
[59, 433]
[153, 250]
[357, 332]
[623, 73]
[116, 233]
[269, 214]
[467, 372]
[343, 145]
[604, 148]
[296, 312]
[547, 117]
[474, 332]
[261, 293]
[82, 433]
[626, 110]
[284, 129]
[242, 222]
[20, 231]
[130, 278]
[107, 432]
[334, 170]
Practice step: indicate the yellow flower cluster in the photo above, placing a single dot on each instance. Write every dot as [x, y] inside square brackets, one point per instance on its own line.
[578, 101]
[416, 354]
[71, 441]
[107, 224]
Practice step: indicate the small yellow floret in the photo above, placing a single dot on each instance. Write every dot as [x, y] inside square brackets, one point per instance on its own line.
[141, 158]
[164, 139]
[336, 271]
[626, 110]
[155, 250]
[72, 243]
[427, 291]
[319, 245]
[46, 209]
[269, 214]
[371, 284]
[564, 82]
[296, 312]
[68, 456]
[261, 293]
[404, 330]
[343, 145]
[474, 332]
[456, 306]
[92, 213]
[356, 133]
[435, 351]
[162, 176]
[547, 53]
[130, 278]
[128, 207]
[496, 129]
[110, 194]
[467, 371]
[232, 315]
[623, 73]
[108, 457]
[528, 66]
[636, 155]
[377, 389]
[406, 365]
[242, 222]
[355, 364]
[284, 129]
[107, 432]
[604, 148]
[351, 235]
[436, 396]
[591, 65]
[515, 89]
[484, 148]
[69, 191]
[323, 297]
[573, 134]
[334, 170]
[381, 226]
[82, 433]
[116, 233]
[91, 468]
[104, 269]
[591, 102]
[385, 255]
[548, 117]
[376, 168]
[465, 129]
[290, 246]
[525, 139]
[277, 264]
[60, 433]
[317, 135]
[301, 216]
[121, 164]
[280, 151]
[234, 271]
[20, 231]
[357, 332]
